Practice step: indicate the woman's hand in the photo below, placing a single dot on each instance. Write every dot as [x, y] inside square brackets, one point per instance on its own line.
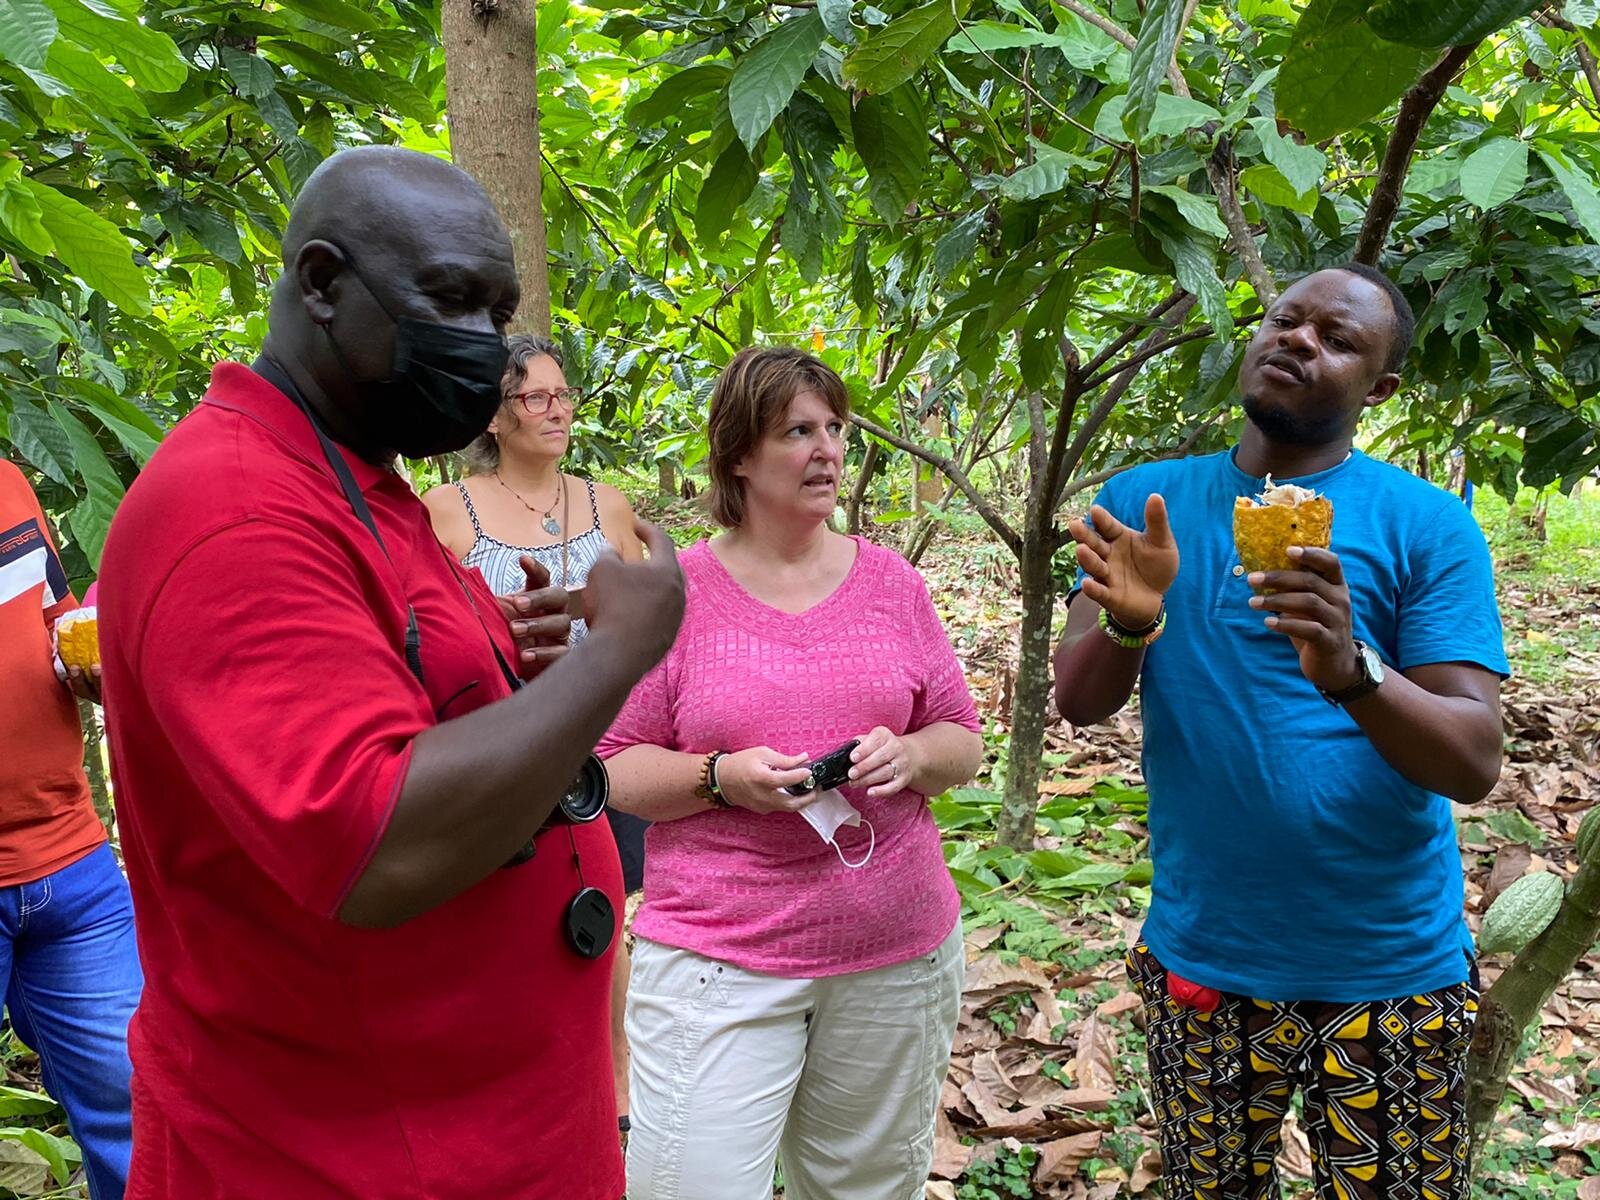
[754, 779]
[884, 763]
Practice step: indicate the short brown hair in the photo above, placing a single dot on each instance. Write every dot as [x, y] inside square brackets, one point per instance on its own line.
[482, 456]
[751, 398]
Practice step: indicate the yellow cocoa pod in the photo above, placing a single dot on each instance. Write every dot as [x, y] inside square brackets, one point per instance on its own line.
[78, 640]
[1263, 533]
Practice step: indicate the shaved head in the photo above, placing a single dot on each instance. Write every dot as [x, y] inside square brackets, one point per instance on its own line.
[387, 200]
[380, 234]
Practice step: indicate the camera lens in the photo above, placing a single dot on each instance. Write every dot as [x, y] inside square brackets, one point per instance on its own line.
[586, 797]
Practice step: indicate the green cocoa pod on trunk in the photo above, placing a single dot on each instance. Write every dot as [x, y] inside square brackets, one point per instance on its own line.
[1588, 833]
[1520, 913]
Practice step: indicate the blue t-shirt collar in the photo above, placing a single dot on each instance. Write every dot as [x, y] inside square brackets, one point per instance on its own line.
[1313, 481]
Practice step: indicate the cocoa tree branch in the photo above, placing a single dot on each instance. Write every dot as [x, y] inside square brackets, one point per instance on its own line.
[1221, 170]
[1415, 108]
[953, 472]
[1104, 23]
[1119, 343]
[1145, 354]
[1090, 481]
[1108, 403]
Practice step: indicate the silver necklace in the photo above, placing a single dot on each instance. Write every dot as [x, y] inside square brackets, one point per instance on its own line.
[549, 524]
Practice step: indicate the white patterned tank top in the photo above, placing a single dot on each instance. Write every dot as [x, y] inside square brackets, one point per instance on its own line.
[500, 563]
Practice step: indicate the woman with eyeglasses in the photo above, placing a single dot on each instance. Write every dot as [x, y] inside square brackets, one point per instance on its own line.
[517, 503]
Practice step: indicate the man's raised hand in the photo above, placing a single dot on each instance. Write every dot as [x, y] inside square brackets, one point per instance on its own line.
[1128, 571]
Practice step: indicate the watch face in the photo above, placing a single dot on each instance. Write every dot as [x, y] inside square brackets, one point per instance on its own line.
[1372, 663]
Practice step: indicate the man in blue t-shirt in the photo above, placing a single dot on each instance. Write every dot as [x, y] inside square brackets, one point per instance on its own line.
[1305, 732]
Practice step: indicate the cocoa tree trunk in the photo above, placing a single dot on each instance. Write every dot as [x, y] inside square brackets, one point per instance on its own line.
[858, 493]
[93, 765]
[1514, 1001]
[666, 478]
[1031, 702]
[491, 84]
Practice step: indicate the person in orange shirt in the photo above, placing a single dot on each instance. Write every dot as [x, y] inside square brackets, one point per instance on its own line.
[69, 968]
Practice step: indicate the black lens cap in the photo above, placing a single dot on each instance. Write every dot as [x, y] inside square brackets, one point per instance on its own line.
[591, 923]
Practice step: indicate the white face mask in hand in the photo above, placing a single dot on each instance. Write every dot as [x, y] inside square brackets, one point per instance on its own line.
[829, 811]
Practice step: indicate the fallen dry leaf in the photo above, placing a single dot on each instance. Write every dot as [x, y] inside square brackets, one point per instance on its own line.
[1096, 1063]
[950, 1156]
[1294, 1160]
[1118, 1005]
[938, 1189]
[1580, 1136]
[1060, 1159]
[1589, 1189]
[1146, 1171]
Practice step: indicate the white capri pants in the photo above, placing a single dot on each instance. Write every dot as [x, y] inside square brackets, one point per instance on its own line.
[841, 1075]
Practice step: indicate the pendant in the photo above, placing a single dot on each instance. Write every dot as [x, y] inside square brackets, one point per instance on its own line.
[552, 526]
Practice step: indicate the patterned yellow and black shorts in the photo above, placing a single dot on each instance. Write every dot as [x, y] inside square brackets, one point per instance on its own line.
[1384, 1087]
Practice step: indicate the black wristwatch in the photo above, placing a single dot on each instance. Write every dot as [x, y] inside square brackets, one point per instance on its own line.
[1371, 668]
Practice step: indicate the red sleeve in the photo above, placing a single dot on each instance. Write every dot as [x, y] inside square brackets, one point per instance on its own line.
[18, 496]
[646, 719]
[944, 695]
[276, 686]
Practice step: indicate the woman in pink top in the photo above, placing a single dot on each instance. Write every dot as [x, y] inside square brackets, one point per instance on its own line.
[796, 980]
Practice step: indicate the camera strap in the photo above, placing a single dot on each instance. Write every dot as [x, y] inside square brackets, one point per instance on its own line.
[590, 920]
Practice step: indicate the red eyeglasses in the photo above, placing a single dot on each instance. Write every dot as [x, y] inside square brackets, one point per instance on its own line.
[537, 402]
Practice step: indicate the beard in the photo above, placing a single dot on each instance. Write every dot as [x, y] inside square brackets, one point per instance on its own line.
[1287, 427]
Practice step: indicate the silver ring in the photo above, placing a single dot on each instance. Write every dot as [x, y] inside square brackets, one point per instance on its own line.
[894, 769]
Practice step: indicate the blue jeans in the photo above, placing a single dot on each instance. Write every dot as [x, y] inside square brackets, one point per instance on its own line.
[72, 980]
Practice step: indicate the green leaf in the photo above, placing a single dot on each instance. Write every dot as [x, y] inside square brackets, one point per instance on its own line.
[21, 214]
[1177, 114]
[1199, 211]
[673, 94]
[766, 77]
[93, 248]
[1338, 73]
[16, 1102]
[890, 56]
[987, 37]
[1041, 331]
[1580, 189]
[1269, 185]
[136, 432]
[1158, 34]
[1495, 172]
[95, 84]
[1439, 23]
[1044, 176]
[892, 141]
[956, 245]
[27, 27]
[1301, 166]
[336, 12]
[1093, 877]
[251, 74]
[40, 441]
[732, 179]
[836, 20]
[862, 290]
[1196, 270]
[91, 518]
[149, 55]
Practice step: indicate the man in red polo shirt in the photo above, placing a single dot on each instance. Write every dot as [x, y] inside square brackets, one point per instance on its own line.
[361, 985]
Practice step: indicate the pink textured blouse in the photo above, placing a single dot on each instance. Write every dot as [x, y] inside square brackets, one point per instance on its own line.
[763, 891]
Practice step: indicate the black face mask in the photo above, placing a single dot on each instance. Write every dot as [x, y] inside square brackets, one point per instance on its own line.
[443, 387]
